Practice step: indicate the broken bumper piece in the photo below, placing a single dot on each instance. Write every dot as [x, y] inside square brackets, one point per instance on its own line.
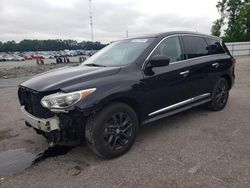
[46, 125]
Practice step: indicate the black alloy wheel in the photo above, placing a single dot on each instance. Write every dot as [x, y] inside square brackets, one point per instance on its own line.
[112, 131]
[117, 131]
[219, 96]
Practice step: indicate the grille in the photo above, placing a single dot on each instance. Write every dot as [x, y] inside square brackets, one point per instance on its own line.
[30, 99]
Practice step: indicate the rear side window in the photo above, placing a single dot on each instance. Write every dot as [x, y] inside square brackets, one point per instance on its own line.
[171, 48]
[225, 48]
[195, 46]
[214, 46]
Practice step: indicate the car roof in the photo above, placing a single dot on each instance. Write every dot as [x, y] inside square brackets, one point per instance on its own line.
[165, 34]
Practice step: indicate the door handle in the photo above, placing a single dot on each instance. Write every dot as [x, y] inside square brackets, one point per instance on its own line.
[185, 73]
[216, 65]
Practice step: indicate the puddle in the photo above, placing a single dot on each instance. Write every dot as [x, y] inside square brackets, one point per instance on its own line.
[16, 161]
[52, 152]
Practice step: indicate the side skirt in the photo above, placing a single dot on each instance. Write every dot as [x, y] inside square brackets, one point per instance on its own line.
[172, 112]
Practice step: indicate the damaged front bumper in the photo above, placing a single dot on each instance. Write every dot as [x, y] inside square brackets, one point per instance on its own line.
[46, 125]
[62, 128]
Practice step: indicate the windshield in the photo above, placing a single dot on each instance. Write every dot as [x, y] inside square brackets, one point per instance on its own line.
[119, 53]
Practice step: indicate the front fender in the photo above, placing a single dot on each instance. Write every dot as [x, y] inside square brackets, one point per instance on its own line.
[129, 89]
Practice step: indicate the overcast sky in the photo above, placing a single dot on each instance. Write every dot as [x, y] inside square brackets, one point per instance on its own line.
[69, 19]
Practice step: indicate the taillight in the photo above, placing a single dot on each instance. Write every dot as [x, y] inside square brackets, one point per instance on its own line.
[233, 60]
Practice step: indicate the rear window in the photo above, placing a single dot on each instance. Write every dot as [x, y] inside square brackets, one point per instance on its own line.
[195, 46]
[214, 46]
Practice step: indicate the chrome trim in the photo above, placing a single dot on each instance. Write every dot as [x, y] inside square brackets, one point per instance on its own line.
[180, 104]
[216, 65]
[195, 58]
[185, 73]
[179, 35]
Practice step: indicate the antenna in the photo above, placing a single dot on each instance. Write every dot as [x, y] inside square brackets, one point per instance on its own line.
[91, 22]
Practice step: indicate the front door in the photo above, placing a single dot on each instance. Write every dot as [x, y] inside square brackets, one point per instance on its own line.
[168, 86]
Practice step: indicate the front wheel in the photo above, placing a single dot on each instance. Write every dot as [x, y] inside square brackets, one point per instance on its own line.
[112, 131]
[219, 95]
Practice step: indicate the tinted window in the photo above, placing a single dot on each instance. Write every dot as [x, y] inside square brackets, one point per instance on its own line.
[214, 46]
[171, 48]
[225, 48]
[195, 46]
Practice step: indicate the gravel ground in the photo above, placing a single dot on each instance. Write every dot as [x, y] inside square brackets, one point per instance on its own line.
[22, 71]
[29, 68]
[196, 148]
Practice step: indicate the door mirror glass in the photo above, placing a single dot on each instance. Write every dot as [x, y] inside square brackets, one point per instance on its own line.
[158, 61]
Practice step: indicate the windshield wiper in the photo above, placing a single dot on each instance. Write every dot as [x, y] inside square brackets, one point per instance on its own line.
[94, 65]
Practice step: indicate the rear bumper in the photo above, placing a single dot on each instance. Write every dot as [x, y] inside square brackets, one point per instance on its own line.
[46, 125]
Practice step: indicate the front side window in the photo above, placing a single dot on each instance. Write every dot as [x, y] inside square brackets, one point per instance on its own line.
[119, 53]
[195, 46]
[171, 48]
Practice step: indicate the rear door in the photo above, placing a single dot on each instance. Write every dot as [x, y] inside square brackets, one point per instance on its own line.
[207, 60]
[220, 60]
[197, 54]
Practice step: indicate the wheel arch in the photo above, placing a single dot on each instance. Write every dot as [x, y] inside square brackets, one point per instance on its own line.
[126, 100]
[228, 79]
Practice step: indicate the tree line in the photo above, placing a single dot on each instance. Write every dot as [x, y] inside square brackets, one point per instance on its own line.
[48, 45]
[234, 19]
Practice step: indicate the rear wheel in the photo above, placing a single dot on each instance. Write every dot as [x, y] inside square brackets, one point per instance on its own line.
[112, 131]
[219, 95]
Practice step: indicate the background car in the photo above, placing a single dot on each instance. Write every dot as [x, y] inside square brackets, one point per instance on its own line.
[18, 58]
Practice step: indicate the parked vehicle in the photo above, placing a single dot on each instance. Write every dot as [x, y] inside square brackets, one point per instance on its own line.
[90, 52]
[46, 55]
[8, 57]
[18, 58]
[38, 56]
[2, 58]
[27, 55]
[125, 85]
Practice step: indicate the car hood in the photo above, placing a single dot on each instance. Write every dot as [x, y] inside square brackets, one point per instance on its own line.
[67, 76]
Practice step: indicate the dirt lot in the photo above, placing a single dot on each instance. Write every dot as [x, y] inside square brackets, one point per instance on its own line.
[30, 68]
[196, 148]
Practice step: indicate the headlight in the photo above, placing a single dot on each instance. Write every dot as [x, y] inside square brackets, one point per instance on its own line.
[65, 100]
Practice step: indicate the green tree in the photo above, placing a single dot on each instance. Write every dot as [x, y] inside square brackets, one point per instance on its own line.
[235, 15]
[216, 28]
[234, 28]
[244, 21]
[1, 46]
[48, 45]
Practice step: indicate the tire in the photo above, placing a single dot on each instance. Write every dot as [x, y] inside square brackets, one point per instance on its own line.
[219, 95]
[112, 131]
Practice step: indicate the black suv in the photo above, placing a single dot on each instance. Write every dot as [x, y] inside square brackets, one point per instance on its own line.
[127, 84]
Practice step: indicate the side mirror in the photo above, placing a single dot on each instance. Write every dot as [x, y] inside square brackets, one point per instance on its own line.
[158, 61]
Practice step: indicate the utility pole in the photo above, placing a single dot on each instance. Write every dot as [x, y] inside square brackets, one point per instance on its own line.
[91, 24]
[126, 33]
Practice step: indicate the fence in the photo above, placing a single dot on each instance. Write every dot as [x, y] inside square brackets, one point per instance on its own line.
[239, 48]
